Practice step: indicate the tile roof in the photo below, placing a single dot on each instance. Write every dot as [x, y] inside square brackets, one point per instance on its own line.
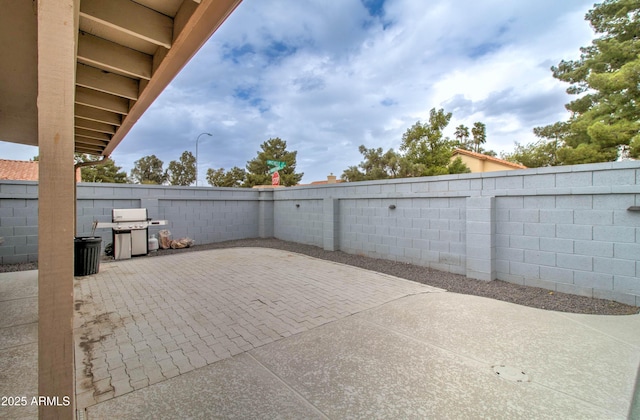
[24, 170]
[490, 158]
[18, 170]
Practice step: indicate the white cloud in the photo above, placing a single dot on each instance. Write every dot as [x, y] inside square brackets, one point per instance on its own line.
[328, 76]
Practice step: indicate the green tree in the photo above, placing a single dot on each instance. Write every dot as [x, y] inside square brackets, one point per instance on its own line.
[273, 149]
[235, 177]
[148, 170]
[376, 165]
[479, 132]
[606, 80]
[533, 155]
[462, 137]
[103, 172]
[426, 148]
[182, 172]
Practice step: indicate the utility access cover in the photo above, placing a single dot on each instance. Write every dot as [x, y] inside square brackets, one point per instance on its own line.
[510, 373]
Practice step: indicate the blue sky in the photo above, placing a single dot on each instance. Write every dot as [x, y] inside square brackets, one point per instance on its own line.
[328, 76]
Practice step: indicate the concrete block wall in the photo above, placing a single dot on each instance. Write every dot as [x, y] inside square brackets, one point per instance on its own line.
[422, 231]
[584, 244]
[571, 229]
[205, 215]
[300, 220]
[18, 222]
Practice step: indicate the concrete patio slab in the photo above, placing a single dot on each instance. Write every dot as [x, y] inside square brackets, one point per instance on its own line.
[143, 321]
[558, 351]
[19, 342]
[237, 387]
[261, 333]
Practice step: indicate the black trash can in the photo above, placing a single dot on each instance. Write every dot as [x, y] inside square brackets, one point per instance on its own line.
[87, 255]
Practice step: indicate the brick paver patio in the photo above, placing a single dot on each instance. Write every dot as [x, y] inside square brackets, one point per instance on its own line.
[145, 320]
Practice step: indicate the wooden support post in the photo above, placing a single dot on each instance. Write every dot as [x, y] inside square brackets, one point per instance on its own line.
[57, 31]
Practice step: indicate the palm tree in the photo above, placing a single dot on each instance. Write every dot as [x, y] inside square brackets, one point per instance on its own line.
[479, 132]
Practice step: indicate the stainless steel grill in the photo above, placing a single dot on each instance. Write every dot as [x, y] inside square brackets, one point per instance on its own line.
[130, 229]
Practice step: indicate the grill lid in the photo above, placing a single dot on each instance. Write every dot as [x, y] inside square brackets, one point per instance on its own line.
[129, 215]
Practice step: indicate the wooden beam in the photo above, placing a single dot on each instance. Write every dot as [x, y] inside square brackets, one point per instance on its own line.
[103, 101]
[111, 83]
[57, 29]
[106, 55]
[94, 126]
[92, 135]
[131, 18]
[92, 150]
[98, 115]
[90, 144]
[202, 23]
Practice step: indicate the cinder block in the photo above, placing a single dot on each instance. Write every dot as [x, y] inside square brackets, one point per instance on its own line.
[539, 202]
[532, 182]
[449, 258]
[484, 253]
[524, 215]
[574, 202]
[594, 248]
[546, 230]
[557, 245]
[439, 246]
[614, 177]
[509, 202]
[574, 289]
[613, 234]
[575, 262]
[524, 242]
[525, 270]
[510, 183]
[429, 256]
[488, 184]
[459, 185]
[502, 267]
[626, 218]
[420, 223]
[574, 179]
[510, 228]
[593, 280]
[574, 231]
[428, 213]
[509, 254]
[511, 278]
[612, 201]
[457, 225]
[439, 203]
[627, 284]
[419, 244]
[626, 251]
[458, 248]
[540, 257]
[593, 217]
[502, 240]
[439, 224]
[483, 228]
[614, 266]
[556, 216]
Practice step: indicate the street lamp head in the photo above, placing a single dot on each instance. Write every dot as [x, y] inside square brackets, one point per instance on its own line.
[198, 138]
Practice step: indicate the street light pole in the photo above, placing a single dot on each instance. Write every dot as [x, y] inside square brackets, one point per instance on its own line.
[201, 134]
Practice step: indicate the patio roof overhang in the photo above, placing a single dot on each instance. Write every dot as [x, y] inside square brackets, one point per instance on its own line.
[127, 52]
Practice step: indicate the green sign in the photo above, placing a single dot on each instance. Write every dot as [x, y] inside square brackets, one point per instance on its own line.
[276, 165]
